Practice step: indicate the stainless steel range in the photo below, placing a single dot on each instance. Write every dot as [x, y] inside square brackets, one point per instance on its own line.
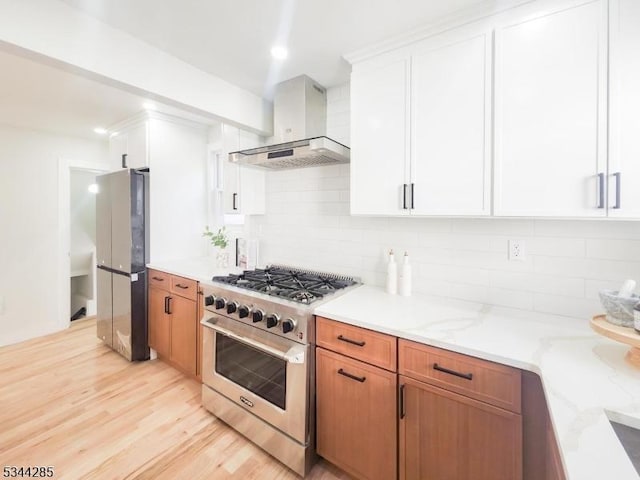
[258, 367]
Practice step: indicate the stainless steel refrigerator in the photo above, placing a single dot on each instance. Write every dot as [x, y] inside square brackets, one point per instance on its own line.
[122, 247]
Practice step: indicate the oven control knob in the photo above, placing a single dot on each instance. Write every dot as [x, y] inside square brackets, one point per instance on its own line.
[272, 320]
[243, 311]
[209, 300]
[257, 315]
[288, 325]
[220, 302]
[231, 307]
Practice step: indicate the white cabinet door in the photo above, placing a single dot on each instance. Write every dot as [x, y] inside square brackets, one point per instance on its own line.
[379, 138]
[550, 113]
[624, 158]
[117, 148]
[451, 119]
[244, 187]
[138, 145]
[132, 141]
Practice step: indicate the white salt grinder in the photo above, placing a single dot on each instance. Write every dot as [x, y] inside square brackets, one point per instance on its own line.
[405, 276]
[392, 274]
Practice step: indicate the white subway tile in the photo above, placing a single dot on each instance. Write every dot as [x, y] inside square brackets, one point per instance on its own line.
[587, 268]
[538, 283]
[571, 307]
[510, 298]
[493, 226]
[555, 247]
[588, 228]
[614, 249]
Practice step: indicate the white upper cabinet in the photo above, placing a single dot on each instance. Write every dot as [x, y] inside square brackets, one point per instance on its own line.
[132, 140]
[624, 152]
[420, 140]
[450, 120]
[243, 187]
[379, 137]
[550, 113]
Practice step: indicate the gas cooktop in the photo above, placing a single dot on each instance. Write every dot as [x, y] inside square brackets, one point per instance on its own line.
[301, 286]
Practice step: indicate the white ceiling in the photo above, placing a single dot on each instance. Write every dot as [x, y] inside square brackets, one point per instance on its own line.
[42, 97]
[228, 38]
[232, 38]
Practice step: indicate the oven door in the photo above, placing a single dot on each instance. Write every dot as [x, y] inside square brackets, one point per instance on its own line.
[264, 373]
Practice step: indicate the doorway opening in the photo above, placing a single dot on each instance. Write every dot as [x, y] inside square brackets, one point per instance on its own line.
[82, 243]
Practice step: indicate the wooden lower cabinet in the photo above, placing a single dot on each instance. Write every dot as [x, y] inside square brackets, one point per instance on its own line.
[356, 416]
[174, 320]
[541, 457]
[447, 436]
[159, 321]
[183, 334]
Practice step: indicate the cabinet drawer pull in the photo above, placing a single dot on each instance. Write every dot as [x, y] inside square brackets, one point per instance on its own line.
[466, 376]
[235, 199]
[403, 412]
[184, 287]
[167, 305]
[158, 279]
[352, 342]
[353, 377]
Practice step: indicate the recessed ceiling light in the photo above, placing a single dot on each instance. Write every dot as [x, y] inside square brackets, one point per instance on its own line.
[149, 106]
[93, 188]
[100, 130]
[279, 52]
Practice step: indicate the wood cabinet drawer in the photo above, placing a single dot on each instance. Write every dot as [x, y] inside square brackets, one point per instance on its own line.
[359, 343]
[489, 382]
[159, 279]
[356, 416]
[184, 287]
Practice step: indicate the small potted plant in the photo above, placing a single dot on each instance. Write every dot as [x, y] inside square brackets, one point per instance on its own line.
[220, 241]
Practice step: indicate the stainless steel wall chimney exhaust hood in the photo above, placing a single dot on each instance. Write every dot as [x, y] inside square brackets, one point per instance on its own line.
[299, 117]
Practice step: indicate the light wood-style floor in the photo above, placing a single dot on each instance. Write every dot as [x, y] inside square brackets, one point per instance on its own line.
[69, 402]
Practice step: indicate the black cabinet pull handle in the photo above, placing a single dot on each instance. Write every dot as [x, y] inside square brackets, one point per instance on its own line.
[401, 402]
[166, 304]
[466, 376]
[184, 287]
[353, 377]
[158, 279]
[404, 196]
[352, 342]
[235, 197]
[169, 305]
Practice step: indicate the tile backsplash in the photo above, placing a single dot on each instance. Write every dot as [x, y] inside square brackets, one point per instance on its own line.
[566, 262]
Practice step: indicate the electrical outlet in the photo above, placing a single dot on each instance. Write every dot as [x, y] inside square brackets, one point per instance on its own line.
[516, 250]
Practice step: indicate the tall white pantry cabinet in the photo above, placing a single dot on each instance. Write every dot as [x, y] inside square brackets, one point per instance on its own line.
[528, 112]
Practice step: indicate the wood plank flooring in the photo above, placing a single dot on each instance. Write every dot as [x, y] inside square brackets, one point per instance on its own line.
[69, 402]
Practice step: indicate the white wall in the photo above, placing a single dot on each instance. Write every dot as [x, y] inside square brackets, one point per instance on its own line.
[567, 262]
[29, 228]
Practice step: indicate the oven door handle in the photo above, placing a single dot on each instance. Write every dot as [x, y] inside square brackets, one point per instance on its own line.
[293, 355]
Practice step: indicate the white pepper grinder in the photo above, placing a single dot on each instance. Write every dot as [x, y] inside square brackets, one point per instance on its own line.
[392, 274]
[405, 276]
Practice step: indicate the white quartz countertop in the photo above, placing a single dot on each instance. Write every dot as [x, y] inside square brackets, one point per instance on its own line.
[201, 269]
[585, 377]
